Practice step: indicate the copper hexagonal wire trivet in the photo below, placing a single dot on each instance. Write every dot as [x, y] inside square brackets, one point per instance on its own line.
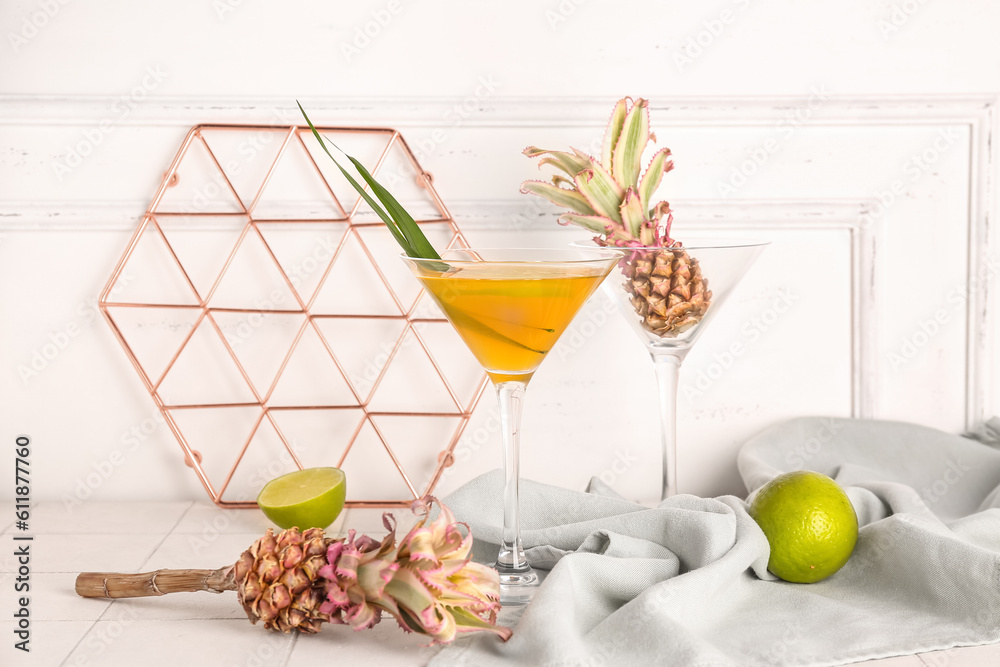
[290, 134]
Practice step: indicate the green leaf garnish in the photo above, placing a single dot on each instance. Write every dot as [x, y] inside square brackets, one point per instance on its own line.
[402, 226]
[400, 223]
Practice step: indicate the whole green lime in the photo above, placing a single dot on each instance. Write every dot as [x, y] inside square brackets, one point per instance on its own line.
[810, 524]
[309, 498]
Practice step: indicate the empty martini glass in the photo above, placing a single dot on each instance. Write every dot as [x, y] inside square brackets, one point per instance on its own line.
[510, 306]
[710, 269]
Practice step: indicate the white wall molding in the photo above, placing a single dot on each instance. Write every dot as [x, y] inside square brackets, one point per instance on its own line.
[30, 216]
[710, 215]
[982, 281]
[485, 110]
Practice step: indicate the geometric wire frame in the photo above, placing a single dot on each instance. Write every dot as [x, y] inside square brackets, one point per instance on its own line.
[228, 176]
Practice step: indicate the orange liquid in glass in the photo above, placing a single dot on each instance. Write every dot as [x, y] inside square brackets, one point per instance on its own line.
[510, 316]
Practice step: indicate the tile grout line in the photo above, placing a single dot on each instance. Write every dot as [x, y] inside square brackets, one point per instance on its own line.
[108, 608]
[168, 533]
[83, 636]
[947, 653]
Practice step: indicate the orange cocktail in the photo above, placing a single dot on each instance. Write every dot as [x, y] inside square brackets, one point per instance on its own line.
[509, 315]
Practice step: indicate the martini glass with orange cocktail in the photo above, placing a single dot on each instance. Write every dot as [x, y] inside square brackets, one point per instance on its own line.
[510, 306]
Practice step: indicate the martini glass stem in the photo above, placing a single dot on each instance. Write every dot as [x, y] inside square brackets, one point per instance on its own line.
[668, 368]
[511, 562]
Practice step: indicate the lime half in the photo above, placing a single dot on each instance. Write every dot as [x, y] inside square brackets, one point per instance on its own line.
[310, 498]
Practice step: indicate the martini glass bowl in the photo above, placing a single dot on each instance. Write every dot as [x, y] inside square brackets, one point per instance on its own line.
[510, 306]
[723, 264]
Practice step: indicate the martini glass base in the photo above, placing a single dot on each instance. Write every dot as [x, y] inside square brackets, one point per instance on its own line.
[517, 585]
[518, 581]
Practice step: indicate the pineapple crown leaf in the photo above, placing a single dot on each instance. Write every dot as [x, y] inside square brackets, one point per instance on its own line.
[601, 191]
[627, 155]
[664, 213]
[658, 166]
[557, 164]
[616, 191]
[632, 213]
[400, 223]
[565, 197]
[570, 163]
[595, 223]
[613, 132]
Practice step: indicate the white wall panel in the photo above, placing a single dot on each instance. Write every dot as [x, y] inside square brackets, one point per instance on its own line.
[443, 47]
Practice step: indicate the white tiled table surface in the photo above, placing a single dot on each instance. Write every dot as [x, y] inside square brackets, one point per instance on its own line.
[201, 629]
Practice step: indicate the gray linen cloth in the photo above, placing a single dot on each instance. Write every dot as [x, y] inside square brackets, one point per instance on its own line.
[686, 582]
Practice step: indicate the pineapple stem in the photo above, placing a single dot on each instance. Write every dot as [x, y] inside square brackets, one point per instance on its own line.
[160, 582]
